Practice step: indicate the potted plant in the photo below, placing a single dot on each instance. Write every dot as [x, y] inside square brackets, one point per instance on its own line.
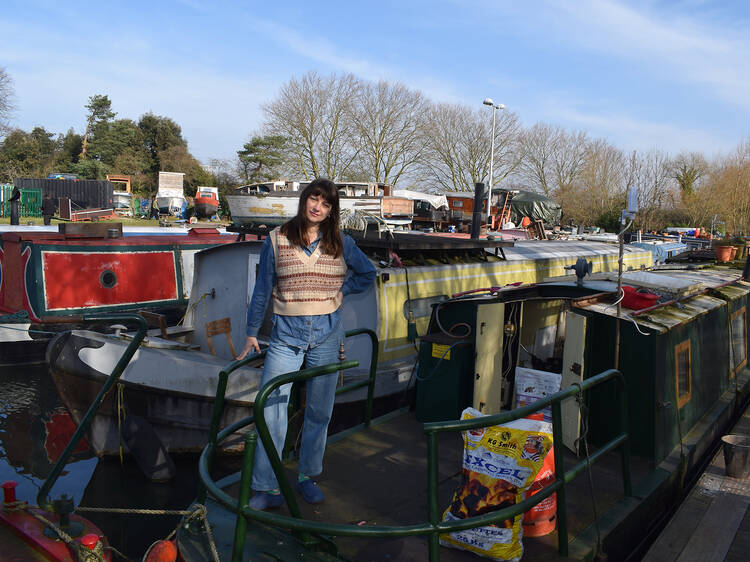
[724, 249]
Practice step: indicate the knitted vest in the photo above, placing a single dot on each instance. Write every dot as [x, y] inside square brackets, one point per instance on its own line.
[305, 285]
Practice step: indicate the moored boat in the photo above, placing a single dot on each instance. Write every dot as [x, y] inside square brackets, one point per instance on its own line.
[682, 380]
[414, 271]
[46, 277]
[170, 197]
[368, 202]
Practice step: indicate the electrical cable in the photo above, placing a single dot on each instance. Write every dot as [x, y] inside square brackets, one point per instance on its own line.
[442, 357]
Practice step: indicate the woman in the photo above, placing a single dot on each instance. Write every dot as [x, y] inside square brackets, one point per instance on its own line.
[306, 268]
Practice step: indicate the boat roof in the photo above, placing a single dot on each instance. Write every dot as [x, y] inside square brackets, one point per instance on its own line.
[684, 294]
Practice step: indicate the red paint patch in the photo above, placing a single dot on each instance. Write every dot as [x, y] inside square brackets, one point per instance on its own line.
[79, 280]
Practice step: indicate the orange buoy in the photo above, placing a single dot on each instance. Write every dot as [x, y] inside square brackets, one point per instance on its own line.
[161, 551]
[525, 221]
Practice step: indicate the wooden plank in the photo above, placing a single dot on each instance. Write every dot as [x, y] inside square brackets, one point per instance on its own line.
[671, 541]
[89, 230]
[714, 534]
[572, 372]
[488, 365]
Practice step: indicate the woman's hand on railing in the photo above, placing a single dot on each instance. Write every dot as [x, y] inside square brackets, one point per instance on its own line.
[251, 343]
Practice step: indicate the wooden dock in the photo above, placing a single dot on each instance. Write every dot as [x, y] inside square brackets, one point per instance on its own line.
[379, 477]
[713, 523]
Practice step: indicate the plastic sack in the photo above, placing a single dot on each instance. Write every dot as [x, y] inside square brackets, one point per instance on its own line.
[499, 465]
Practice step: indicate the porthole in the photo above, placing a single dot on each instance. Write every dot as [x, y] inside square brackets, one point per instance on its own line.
[108, 279]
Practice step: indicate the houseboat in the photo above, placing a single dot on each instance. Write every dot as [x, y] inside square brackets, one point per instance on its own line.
[414, 272]
[46, 277]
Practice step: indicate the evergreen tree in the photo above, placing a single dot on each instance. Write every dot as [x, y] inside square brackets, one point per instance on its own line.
[260, 158]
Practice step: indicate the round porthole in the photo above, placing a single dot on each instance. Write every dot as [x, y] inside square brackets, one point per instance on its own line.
[108, 279]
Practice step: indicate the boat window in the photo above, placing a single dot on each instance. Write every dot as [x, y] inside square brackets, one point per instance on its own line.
[458, 203]
[422, 307]
[682, 372]
[739, 340]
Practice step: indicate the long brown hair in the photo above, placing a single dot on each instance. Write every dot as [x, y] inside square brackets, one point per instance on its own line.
[330, 236]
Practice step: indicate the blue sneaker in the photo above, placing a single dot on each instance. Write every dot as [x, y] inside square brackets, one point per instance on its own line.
[264, 500]
[309, 491]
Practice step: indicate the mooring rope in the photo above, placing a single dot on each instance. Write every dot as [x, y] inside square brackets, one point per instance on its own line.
[82, 552]
[198, 511]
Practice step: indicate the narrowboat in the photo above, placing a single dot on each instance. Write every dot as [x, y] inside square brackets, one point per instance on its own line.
[171, 383]
[682, 379]
[46, 277]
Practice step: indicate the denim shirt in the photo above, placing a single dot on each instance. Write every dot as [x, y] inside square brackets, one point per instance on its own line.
[304, 332]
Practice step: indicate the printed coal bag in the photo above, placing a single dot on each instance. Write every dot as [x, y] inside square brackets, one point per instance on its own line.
[500, 464]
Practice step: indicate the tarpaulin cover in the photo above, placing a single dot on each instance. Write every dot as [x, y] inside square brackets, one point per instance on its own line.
[437, 201]
[535, 206]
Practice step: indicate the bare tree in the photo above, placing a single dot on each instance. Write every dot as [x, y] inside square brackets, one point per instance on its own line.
[535, 169]
[552, 158]
[388, 122]
[731, 181]
[313, 114]
[690, 170]
[7, 105]
[599, 189]
[651, 173]
[569, 152]
[458, 144]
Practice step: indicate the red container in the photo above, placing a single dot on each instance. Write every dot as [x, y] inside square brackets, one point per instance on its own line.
[638, 300]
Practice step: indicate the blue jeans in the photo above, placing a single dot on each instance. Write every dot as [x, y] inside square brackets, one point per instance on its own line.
[320, 394]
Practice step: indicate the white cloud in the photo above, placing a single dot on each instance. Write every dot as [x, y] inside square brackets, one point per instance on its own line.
[688, 47]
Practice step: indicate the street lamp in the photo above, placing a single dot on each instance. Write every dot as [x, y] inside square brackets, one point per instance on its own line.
[495, 107]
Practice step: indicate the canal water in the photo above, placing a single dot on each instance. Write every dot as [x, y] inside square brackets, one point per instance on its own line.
[34, 430]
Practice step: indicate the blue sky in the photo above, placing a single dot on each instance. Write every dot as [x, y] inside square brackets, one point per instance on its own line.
[670, 75]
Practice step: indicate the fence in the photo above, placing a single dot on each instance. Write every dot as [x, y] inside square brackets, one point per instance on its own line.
[30, 204]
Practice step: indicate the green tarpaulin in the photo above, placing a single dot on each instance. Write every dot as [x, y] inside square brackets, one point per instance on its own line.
[535, 206]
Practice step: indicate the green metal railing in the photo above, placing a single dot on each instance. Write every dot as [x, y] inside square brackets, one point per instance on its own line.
[42, 498]
[214, 436]
[435, 527]
[30, 204]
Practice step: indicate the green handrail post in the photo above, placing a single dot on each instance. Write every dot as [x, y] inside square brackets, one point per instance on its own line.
[240, 526]
[218, 410]
[625, 448]
[562, 512]
[432, 494]
[262, 427]
[373, 369]
[42, 498]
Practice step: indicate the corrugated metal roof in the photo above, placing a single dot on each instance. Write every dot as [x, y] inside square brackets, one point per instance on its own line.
[552, 249]
[677, 284]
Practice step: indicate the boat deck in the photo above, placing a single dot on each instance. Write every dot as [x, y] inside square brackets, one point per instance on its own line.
[379, 477]
[713, 523]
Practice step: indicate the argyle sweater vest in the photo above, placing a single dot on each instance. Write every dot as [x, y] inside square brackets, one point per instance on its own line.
[305, 285]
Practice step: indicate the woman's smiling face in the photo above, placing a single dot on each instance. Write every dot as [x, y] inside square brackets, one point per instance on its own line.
[317, 209]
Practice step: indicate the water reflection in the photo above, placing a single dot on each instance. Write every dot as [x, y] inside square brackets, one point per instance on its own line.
[34, 429]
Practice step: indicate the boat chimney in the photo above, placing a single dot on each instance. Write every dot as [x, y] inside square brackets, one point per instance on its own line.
[478, 215]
